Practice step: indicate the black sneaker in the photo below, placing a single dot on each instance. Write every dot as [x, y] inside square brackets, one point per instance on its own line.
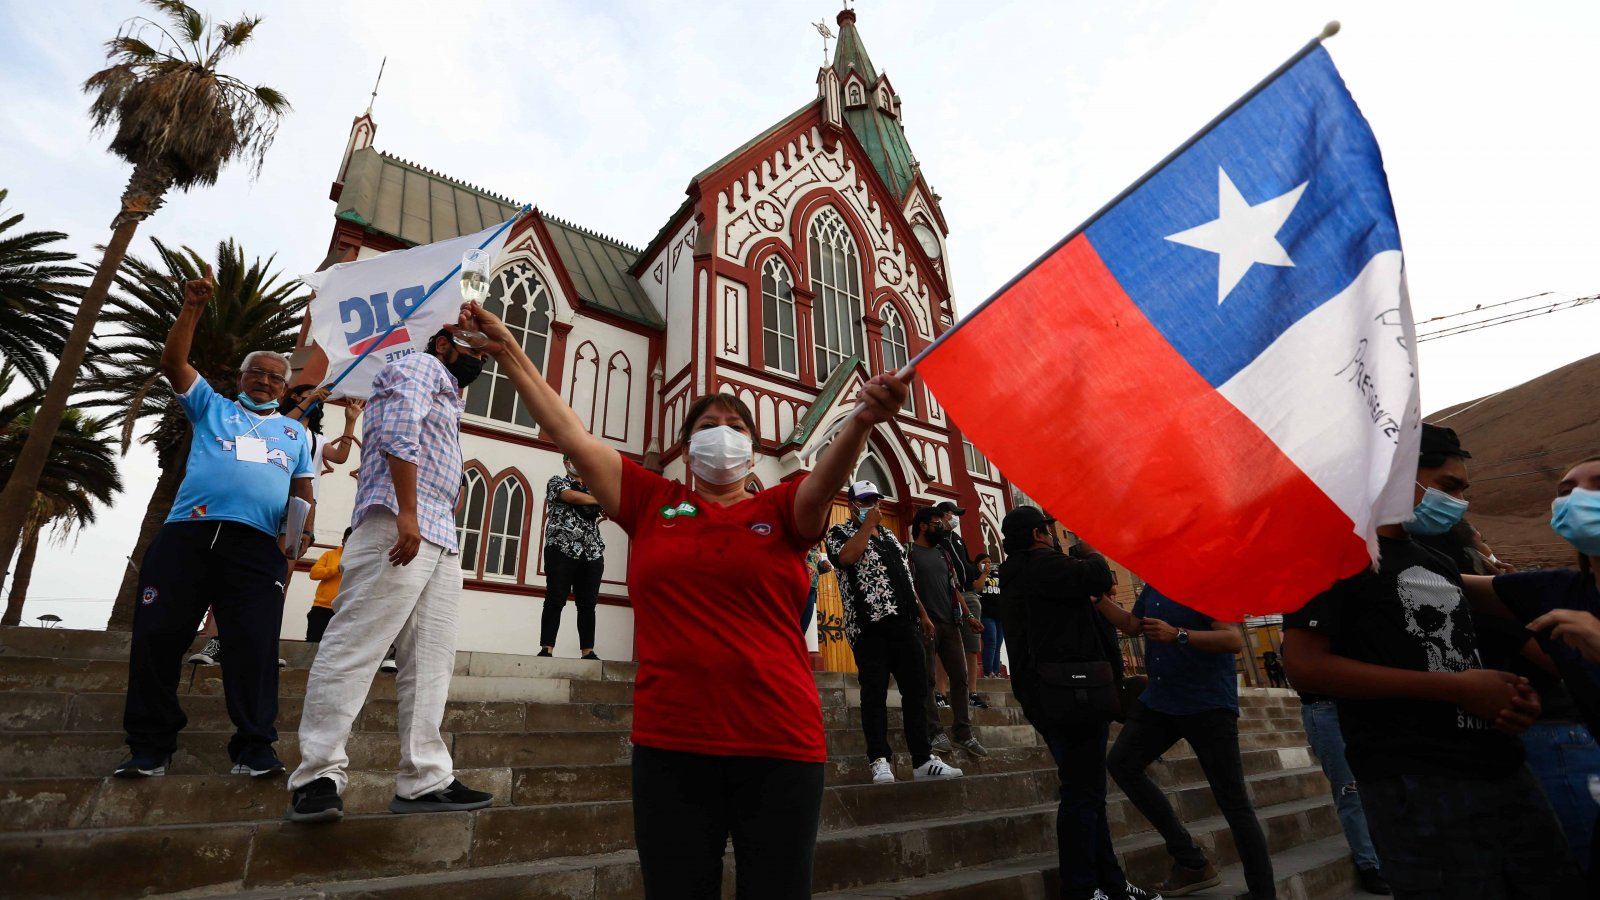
[940, 701]
[1134, 892]
[544, 652]
[1373, 882]
[317, 801]
[257, 762]
[591, 655]
[209, 655]
[977, 702]
[143, 764]
[452, 799]
[389, 664]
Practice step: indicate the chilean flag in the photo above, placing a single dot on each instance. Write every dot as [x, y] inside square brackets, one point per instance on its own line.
[1214, 381]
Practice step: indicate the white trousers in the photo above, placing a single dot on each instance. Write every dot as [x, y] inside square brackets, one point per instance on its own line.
[412, 607]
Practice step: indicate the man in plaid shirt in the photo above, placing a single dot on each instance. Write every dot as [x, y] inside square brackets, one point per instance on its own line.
[401, 586]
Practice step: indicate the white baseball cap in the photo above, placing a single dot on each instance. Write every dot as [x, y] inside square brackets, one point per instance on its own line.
[861, 490]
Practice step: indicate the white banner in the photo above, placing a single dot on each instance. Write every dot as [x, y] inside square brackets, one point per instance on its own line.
[357, 302]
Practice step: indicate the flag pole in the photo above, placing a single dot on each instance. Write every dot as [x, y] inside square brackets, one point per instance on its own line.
[418, 305]
[1328, 31]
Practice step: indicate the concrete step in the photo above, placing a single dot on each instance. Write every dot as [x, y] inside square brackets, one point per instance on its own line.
[42, 804]
[1319, 870]
[64, 711]
[272, 852]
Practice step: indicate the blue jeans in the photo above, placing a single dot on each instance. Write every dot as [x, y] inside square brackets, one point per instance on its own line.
[993, 636]
[1563, 756]
[1321, 721]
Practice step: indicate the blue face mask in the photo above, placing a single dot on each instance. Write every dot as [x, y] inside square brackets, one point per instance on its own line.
[1576, 517]
[1437, 513]
[264, 407]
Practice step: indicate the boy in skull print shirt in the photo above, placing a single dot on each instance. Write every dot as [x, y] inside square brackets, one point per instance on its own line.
[1429, 733]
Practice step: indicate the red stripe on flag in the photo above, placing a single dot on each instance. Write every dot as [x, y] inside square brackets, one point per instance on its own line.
[1081, 402]
[397, 337]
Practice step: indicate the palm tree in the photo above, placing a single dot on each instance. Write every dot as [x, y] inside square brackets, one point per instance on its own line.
[178, 121]
[81, 471]
[252, 310]
[36, 295]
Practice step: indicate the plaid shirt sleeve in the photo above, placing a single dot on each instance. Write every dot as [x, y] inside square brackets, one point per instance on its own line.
[406, 401]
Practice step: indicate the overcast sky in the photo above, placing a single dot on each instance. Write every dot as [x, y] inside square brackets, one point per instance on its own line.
[1026, 116]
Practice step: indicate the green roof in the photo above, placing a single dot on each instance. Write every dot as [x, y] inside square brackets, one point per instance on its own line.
[880, 134]
[598, 267]
[413, 203]
[419, 206]
[825, 397]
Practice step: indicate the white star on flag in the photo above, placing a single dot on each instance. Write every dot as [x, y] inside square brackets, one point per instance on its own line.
[1242, 235]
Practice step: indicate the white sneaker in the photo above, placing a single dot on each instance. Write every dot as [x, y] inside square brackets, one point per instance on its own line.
[882, 773]
[933, 768]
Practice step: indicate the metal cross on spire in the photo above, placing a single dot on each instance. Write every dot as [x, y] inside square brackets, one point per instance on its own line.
[375, 85]
[827, 35]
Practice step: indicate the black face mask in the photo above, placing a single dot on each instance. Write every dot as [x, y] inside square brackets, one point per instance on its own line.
[465, 369]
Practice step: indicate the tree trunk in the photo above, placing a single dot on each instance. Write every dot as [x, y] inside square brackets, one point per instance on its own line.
[155, 515]
[142, 198]
[20, 581]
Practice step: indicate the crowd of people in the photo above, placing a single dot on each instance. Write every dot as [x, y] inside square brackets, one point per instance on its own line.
[1450, 700]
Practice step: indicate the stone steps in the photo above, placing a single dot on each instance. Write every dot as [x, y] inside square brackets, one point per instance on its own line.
[549, 737]
[273, 853]
[53, 803]
[1319, 870]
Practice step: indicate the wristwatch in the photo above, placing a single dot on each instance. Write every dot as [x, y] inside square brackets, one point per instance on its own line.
[1183, 637]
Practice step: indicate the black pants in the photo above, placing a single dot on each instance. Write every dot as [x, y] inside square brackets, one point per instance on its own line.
[892, 647]
[686, 804]
[317, 619]
[239, 572]
[1447, 838]
[1083, 837]
[579, 577]
[1214, 735]
[947, 647]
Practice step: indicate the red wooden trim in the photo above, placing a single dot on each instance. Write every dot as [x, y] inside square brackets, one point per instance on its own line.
[627, 397]
[556, 355]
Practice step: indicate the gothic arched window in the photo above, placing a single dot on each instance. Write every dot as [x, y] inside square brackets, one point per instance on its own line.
[777, 317]
[518, 296]
[896, 350]
[871, 469]
[503, 541]
[836, 281]
[469, 518]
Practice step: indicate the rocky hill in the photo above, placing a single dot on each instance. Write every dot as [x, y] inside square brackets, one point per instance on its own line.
[1522, 441]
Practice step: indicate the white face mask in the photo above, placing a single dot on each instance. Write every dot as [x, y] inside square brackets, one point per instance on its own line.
[719, 455]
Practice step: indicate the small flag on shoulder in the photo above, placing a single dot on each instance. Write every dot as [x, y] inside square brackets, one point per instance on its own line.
[1214, 380]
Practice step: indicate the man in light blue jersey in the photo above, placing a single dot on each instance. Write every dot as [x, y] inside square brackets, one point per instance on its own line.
[219, 548]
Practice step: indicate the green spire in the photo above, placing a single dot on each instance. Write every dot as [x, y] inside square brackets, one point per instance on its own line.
[878, 131]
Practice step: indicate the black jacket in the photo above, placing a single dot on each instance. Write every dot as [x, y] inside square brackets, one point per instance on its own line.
[966, 570]
[1046, 607]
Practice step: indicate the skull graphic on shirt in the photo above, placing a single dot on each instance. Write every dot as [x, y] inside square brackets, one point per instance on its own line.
[1431, 604]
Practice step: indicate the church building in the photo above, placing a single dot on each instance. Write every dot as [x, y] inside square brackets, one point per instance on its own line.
[798, 266]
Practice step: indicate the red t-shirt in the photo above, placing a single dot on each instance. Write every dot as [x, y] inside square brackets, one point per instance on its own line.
[718, 592]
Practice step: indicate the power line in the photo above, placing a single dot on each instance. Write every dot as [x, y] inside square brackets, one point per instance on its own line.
[1480, 307]
[1507, 318]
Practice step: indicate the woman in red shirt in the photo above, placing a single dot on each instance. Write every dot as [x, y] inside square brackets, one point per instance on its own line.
[727, 724]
